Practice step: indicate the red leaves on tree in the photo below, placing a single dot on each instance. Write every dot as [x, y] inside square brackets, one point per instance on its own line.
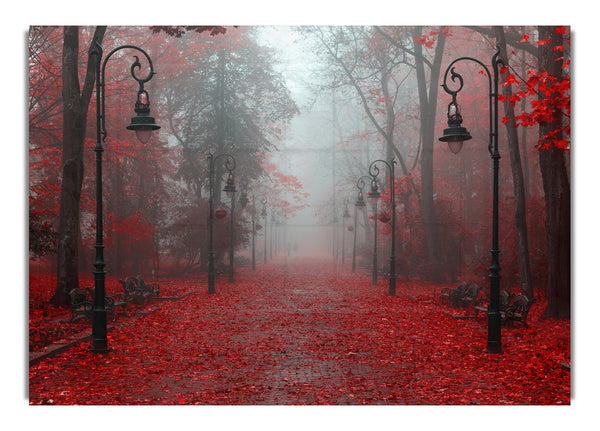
[552, 100]
[180, 30]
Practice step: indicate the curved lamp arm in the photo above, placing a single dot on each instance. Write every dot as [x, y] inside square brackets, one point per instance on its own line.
[454, 117]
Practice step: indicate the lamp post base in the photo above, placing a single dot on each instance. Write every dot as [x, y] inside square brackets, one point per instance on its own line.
[99, 346]
[494, 347]
[99, 340]
[494, 344]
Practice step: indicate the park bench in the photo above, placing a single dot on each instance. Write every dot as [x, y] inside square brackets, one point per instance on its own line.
[82, 303]
[513, 308]
[464, 295]
[505, 301]
[448, 294]
[135, 289]
[518, 310]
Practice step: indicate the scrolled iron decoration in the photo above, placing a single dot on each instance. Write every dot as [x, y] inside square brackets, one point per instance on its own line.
[454, 76]
[100, 78]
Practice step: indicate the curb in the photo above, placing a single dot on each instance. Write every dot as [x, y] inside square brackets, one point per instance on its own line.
[60, 347]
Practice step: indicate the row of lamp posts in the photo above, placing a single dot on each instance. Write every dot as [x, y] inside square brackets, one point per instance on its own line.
[374, 195]
[255, 226]
[454, 135]
[143, 124]
[243, 201]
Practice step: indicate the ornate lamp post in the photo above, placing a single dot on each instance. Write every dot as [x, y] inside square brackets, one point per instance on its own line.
[143, 124]
[374, 194]
[455, 135]
[230, 190]
[254, 227]
[345, 217]
[231, 240]
[360, 203]
[263, 213]
[243, 201]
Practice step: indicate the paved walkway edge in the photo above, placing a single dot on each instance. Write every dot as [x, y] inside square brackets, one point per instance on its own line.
[55, 349]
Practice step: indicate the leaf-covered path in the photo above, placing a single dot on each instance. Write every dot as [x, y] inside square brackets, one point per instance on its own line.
[307, 332]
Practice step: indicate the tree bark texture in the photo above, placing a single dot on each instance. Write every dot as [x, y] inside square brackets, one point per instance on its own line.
[518, 181]
[74, 130]
[428, 92]
[557, 193]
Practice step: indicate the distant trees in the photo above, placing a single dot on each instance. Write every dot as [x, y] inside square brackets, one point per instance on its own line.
[212, 91]
[227, 98]
[378, 64]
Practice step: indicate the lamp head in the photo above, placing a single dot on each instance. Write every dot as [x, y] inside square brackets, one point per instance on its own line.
[374, 193]
[229, 186]
[360, 201]
[455, 134]
[143, 124]
[243, 199]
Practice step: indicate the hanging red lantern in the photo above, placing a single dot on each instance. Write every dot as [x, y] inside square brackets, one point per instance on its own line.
[384, 217]
[220, 213]
[350, 228]
[258, 227]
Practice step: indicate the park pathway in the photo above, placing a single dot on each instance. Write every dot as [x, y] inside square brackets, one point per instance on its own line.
[301, 331]
[294, 331]
[298, 331]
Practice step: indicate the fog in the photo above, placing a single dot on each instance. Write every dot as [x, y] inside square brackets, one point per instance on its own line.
[310, 147]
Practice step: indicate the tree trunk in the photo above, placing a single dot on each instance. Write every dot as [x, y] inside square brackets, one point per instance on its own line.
[427, 104]
[74, 128]
[518, 181]
[557, 194]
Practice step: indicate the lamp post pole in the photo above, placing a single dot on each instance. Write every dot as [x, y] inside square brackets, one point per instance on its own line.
[374, 203]
[360, 203]
[253, 234]
[143, 124]
[375, 195]
[231, 240]
[345, 217]
[455, 135]
[230, 190]
[264, 214]
[244, 197]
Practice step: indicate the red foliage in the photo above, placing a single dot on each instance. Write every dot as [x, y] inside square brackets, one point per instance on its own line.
[49, 323]
[304, 333]
[552, 100]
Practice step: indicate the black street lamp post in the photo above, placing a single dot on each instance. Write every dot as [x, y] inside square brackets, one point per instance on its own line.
[243, 201]
[143, 124]
[230, 190]
[455, 135]
[231, 240]
[374, 191]
[263, 214]
[360, 203]
[375, 195]
[345, 217]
